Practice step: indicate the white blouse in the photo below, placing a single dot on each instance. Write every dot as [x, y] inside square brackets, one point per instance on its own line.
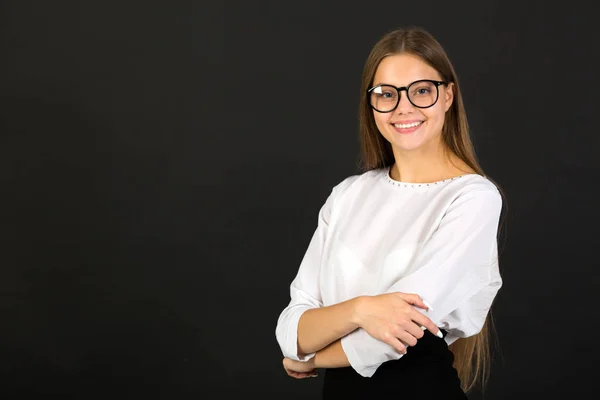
[376, 235]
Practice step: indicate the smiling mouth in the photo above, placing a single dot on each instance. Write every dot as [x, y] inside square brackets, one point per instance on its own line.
[406, 126]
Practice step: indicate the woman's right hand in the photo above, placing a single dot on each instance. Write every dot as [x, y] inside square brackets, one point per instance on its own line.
[392, 319]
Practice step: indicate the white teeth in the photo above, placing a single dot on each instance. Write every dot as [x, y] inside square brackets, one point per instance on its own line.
[404, 126]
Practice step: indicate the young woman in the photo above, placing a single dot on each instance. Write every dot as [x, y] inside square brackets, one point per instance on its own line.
[394, 291]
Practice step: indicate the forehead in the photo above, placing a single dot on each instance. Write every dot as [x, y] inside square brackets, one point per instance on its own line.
[402, 69]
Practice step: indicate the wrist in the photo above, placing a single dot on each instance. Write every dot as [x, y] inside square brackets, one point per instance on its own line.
[314, 362]
[332, 356]
[357, 307]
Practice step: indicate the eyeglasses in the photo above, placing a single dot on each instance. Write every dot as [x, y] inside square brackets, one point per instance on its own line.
[421, 94]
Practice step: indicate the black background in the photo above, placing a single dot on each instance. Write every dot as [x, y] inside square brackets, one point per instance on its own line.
[162, 166]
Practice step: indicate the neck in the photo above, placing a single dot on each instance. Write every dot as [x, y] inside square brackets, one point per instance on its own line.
[427, 165]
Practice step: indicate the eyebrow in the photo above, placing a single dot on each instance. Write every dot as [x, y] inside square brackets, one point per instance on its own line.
[416, 80]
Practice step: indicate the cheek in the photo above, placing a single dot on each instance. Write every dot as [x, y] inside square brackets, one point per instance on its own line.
[381, 120]
[436, 114]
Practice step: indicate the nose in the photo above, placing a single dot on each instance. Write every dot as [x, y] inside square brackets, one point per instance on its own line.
[404, 106]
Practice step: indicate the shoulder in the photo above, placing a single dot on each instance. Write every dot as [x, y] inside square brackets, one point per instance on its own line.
[357, 181]
[351, 186]
[477, 192]
[474, 184]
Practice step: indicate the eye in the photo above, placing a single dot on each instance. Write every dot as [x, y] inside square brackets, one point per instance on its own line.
[384, 92]
[421, 90]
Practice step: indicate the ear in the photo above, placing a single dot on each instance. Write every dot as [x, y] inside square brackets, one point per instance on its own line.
[448, 95]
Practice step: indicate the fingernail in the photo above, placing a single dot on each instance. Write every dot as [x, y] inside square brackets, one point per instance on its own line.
[440, 335]
[428, 305]
[423, 328]
[313, 376]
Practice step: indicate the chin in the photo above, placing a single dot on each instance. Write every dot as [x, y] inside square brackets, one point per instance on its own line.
[406, 149]
[412, 143]
[407, 144]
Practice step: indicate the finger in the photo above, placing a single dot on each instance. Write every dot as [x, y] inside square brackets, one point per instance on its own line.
[407, 338]
[302, 375]
[294, 374]
[424, 321]
[415, 330]
[289, 371]
[395, 343]
[311, 373]
[413, 299]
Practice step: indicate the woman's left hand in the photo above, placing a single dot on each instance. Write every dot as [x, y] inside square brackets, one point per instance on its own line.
[299, 369]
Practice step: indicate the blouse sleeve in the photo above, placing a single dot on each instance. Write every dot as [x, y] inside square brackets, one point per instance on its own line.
[304, 290]
[456, 272]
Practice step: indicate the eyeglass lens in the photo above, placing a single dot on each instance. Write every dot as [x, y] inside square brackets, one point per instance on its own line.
[421, 94]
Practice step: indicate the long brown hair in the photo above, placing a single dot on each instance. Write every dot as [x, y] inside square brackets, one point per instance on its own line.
[472, 355]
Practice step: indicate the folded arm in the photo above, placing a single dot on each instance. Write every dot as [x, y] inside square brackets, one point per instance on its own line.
[305, 325]
[454, 267]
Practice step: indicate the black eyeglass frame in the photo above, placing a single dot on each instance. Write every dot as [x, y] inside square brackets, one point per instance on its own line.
[405, 88]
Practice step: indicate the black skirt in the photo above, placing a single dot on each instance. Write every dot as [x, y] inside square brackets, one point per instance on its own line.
[425, 372]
